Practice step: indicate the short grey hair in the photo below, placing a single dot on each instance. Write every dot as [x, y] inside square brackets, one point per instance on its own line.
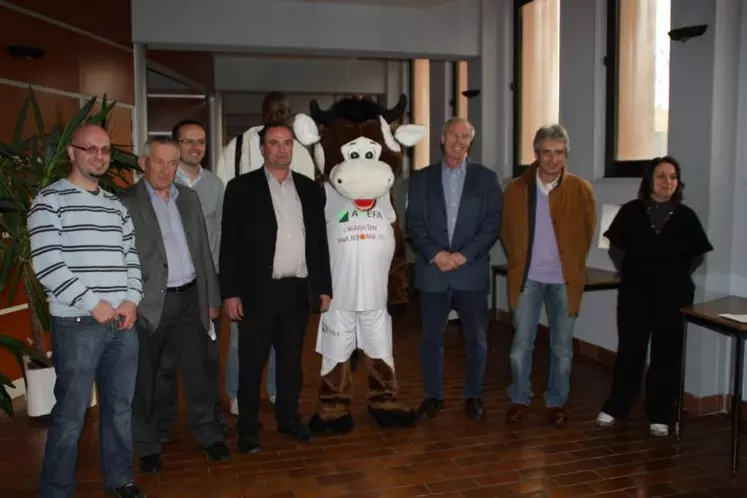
[158, 140]
[454, 120]
[554, 132]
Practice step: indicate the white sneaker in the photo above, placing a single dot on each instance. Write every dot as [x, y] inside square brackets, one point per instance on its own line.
[658, 430]
[272, 398]
[605, 420]
[234, 407]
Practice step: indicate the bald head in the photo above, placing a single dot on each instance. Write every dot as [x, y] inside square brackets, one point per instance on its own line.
[85, 131]
[89, 152]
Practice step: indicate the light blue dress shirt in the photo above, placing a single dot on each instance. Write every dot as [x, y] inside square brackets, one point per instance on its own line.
[453, 182]
[181, 267]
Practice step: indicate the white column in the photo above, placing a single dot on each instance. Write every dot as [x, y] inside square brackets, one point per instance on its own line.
[140, 111]
[215, 126]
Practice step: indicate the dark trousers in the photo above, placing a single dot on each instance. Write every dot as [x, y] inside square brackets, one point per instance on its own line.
[280, 323]
[180, 334]
[167, 395]
[642, 316]
[435, 307]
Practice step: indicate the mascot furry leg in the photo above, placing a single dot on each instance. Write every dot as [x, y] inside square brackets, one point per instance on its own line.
[339, 333]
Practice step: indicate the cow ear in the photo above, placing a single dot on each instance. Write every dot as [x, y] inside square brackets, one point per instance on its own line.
[305, 129]
[410, 134]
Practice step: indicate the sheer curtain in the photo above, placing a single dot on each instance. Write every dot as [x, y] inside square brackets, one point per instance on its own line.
[636, 63]
[540, 71]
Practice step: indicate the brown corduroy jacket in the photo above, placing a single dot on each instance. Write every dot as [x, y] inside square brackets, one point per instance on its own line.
[573, 213]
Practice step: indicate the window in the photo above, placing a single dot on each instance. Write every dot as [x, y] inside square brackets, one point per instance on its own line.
[637, 84]
[536, 73]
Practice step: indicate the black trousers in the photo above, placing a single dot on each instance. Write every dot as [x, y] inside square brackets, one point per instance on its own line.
[281, 323]
[167, 395]
[180, 334]
[642, 316]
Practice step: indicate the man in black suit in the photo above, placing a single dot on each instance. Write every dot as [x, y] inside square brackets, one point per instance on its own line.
[274, 259]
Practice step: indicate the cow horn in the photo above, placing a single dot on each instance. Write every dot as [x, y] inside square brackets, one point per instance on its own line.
[317, 114]
[396, 112]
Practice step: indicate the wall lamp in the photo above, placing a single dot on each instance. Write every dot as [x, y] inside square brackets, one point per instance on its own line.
[24, 52]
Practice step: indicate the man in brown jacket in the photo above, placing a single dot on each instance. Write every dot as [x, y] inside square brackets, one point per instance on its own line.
[548, 224]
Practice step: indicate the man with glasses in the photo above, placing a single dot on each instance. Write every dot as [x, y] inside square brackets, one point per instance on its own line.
[83, 253]
[190, 135]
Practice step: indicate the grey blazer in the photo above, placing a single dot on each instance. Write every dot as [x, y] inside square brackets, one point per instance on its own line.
[153, 262]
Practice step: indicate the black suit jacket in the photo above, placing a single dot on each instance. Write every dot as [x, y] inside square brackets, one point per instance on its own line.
[249, 233]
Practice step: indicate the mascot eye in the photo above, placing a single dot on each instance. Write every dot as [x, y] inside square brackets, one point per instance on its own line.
[369, 155]
[354, 155]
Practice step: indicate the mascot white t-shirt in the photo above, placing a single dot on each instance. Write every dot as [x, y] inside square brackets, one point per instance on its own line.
[361, 248]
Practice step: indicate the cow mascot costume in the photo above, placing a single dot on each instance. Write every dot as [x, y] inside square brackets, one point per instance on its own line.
[359, 158]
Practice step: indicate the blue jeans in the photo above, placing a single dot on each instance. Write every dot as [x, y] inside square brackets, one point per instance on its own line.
[232, 367]
[472, 307]
[83, 351]
[526, 318]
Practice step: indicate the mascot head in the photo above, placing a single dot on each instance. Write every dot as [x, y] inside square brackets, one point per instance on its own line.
[354, 147]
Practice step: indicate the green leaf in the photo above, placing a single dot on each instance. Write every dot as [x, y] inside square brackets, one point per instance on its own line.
[9, 260]
[40, 130]
[20, 122]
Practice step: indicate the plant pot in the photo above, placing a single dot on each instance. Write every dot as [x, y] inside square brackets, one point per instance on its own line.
[40, 383]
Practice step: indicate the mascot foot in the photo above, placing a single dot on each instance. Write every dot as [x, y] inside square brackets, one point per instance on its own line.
[393, 418]
[339, 425]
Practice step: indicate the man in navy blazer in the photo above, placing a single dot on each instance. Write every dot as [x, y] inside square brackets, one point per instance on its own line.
[454, 210]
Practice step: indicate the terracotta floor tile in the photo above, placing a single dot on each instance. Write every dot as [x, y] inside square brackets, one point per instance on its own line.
[447, 457]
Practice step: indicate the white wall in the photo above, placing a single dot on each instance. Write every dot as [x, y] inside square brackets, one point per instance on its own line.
[244, 73]
[447, 30]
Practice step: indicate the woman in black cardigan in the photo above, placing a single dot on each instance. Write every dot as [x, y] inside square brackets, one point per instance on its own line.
[656, 243]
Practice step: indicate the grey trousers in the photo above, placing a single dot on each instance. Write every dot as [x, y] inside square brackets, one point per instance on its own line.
[181, 335]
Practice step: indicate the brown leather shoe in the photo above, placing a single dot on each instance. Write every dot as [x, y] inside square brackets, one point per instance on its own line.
[515, 413]
[556, 417]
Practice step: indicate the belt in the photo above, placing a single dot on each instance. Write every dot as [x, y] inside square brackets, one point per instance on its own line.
[182, 288]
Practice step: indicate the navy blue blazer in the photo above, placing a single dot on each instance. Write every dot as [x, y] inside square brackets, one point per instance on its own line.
[477, 227]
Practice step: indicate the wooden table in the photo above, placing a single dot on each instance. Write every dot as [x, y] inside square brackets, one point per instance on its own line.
[707, 315]
[596, 279]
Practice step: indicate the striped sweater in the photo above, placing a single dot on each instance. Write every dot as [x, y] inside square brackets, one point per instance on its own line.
[83, 249]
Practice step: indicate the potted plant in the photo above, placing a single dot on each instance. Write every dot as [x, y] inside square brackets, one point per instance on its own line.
[18, 349]
[27, 165]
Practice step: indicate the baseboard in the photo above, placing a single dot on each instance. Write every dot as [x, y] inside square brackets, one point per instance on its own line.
[718, 403]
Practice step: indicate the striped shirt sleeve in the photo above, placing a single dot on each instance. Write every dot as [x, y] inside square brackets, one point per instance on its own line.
[45, 237]
[132, 259]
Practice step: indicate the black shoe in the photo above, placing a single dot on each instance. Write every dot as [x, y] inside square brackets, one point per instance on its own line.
[128, 491]
[249, 443]
[151, 464]
[300, 432]
[430, 407]
[475, 409]
[165, 437]
[217, 452]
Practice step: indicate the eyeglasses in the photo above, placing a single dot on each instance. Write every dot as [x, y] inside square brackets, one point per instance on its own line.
[192, 142]
[93, 149]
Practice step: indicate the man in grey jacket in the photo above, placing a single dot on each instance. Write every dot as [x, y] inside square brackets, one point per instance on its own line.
[191, 137]
[182, 296]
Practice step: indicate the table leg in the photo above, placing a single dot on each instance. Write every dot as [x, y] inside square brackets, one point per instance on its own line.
[681, 394]
[494, 313]
[736, 402]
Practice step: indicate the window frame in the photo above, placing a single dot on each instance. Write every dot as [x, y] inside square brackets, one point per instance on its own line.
[516, 87]
[615, 168]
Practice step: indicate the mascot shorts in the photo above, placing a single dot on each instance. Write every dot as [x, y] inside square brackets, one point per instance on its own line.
[340, 332]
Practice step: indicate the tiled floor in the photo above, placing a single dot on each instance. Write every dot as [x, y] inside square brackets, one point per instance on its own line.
[449, 456]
